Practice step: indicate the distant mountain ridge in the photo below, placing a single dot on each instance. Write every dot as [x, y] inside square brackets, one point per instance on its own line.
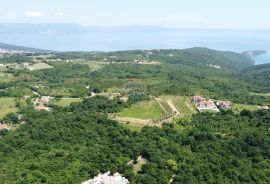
[13, 49]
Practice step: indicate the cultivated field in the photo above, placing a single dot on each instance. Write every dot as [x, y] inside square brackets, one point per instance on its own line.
[239, 107]
[39, 66]
[183, 104]
[2, 69]
[67, 101]
[261, 94]
[133, 128]
[7, 105]
[93, 65]
[144, 110]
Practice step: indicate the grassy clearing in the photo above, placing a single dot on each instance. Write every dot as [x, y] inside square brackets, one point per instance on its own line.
[132, 128]
[7, 105]
[261, 94]
[94, 66]
[39, 66]
[3, 69]
[67, 101]
[239, 107]
[138, 166]
[144, 110]
[6, 77]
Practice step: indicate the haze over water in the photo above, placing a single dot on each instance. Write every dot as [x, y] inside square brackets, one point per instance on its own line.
[73, 37]
[262, 59]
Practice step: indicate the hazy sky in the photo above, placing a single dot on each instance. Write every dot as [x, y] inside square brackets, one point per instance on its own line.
[170, 13]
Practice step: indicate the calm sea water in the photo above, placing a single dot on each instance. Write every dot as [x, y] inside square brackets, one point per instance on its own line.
[62, 37]
[262, 59]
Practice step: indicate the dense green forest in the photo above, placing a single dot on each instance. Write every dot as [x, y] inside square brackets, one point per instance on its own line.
[70, 145]
[259, 76]
[197, 56]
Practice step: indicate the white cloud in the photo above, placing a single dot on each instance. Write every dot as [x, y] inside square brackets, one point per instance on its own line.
[61, 14]
[33, 14]
[187, 18]
[176, 20]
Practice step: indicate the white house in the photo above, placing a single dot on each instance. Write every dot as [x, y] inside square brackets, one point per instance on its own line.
[107, 178]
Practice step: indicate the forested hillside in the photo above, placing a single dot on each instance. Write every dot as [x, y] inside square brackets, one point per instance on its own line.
[73, 144]
[193, 56]
[14, 48]
[258, 75]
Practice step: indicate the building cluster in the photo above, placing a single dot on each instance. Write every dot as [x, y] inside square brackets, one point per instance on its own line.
[202, 104]
[107, 178]
[115, 95]
[224, 104]
[264, 107]
[42, 102]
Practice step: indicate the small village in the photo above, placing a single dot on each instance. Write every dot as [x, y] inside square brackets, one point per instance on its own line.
[202, 104]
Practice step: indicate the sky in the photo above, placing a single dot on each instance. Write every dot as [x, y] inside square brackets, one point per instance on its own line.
[230, 14]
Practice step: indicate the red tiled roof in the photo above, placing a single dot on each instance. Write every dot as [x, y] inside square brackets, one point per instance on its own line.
[3, 126]
[205, 103]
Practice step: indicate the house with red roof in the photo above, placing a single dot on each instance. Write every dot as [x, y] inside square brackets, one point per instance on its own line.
[225, 104]
[202, 104]
[197, 98]
[3, 127]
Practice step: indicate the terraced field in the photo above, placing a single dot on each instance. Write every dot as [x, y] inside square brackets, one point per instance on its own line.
[167, 107]
[182, 103]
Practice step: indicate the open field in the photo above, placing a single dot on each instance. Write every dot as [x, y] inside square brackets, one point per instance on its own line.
[138, 166]
[7, 105]
[93, 65]
[183, 104]
[3, 69]
[39, 66]
[132, 121]
[133, 128]
[144, 110]
[239, 107]
[6, 77]
[261, 94]
[67, 101]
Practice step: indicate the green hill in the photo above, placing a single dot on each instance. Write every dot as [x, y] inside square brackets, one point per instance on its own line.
[193, 56]
[17, 49]
[258, 75]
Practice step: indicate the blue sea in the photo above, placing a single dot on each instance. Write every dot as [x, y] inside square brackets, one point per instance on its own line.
[73, 37]
[262, 59]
